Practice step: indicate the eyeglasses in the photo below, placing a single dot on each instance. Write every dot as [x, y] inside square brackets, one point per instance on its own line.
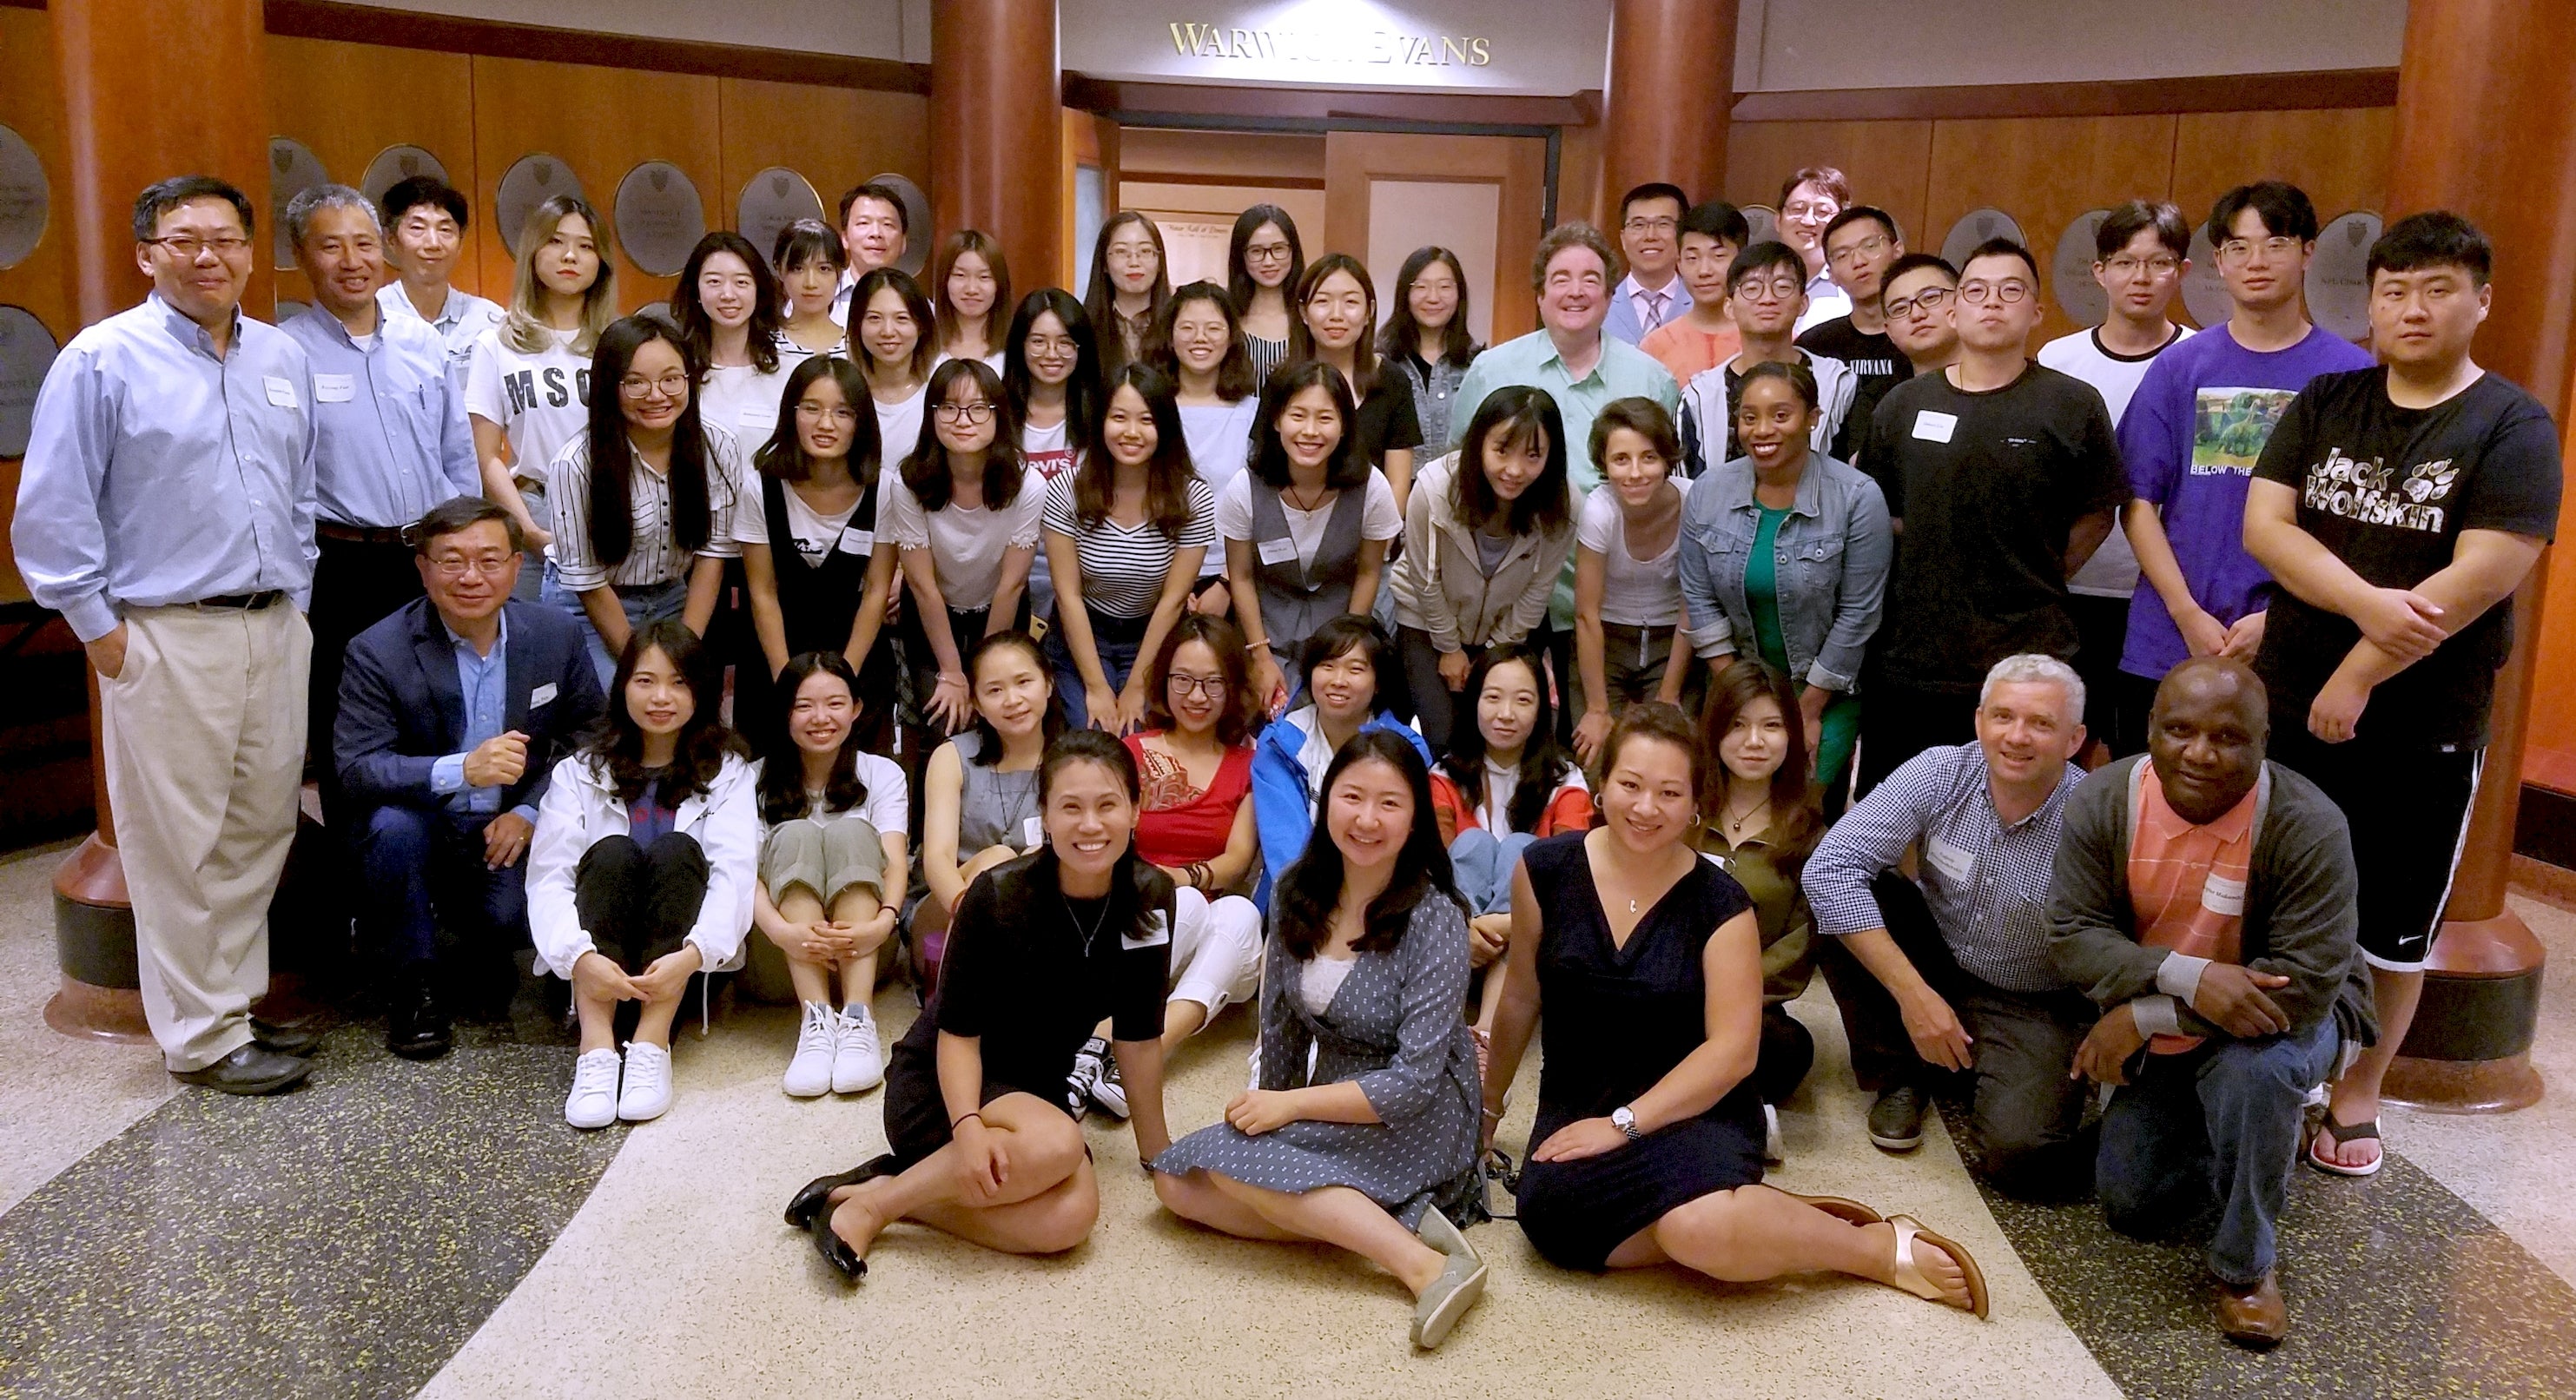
[1181, 684]
[1799, 209]
[1979, 293]
[1869, 247]
[1930, 299]
[977, 413]
[186, 247]
[1776, 289]
[1265, 252]
[1646, 226]
[2236, 252]
[453, 566]
[2125, 266]
[636, 386]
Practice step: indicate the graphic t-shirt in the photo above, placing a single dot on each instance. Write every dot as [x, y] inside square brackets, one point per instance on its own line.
[2389, 490]
[1051, 454]
[542, 400]
[2199, 419]
[1875, 358]
[2112, 572]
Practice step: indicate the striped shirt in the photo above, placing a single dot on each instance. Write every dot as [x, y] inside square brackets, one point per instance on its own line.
[655, 555]
[1124, 566]
[1987, 884]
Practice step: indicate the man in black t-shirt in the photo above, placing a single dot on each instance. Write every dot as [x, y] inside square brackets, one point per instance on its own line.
[1861, 244]
[2002, 475]
[2396, 508]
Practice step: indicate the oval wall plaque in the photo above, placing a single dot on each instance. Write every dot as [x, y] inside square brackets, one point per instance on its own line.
[395, 164]
[26, 352]
[916, 222]
[1975, 227]
[659, 217]
[2071, 270]
[531, 180]
[26, 198]
[1761, 223]
[2339, 275]
[292, 169]
[2204, 292]
[772, 200]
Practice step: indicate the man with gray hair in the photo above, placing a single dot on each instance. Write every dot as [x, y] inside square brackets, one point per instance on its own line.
[1949, 970]
[390, 437]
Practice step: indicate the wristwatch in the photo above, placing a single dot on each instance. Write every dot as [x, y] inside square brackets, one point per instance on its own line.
[1625, 1121]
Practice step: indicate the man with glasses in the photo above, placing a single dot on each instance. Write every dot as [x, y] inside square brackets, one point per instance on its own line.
[1810, 200]
[1917, 294]
[2140, 252]
[1861, 244]
[2197, 425]
[452, 713]
[2003, 476]
[874, 230]
[1652, 294]
[425, 222]
[1764, 290]
[166, 511]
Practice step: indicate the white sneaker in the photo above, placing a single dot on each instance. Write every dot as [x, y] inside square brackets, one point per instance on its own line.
[810, 1073]
[859, 1064]
[593, 1100]
[647, 1094]
[1775, 1148]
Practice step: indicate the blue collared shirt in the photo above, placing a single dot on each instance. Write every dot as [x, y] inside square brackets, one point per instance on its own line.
[459, 323]
[157, 473]
[389, 426]
[485, 683]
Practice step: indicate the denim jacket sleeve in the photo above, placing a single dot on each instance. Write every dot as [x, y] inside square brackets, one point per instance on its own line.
[1868, 547]
[1711, 634]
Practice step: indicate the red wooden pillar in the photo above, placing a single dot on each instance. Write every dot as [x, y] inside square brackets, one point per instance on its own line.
[997, 131]
[1670, 92]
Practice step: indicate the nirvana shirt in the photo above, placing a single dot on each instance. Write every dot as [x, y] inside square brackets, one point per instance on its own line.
[2389, 490]
[1874, 358]
[1988, 485]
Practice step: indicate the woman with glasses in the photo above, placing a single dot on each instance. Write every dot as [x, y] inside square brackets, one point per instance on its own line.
[1426, 339]
[1337, 324]
[644, 500]
[1264, 265]
[1129, 284]
[810, 258]
[1051, 385]
[974, 283]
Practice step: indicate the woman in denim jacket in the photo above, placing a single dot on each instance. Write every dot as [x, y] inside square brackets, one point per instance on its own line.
[1785, 558]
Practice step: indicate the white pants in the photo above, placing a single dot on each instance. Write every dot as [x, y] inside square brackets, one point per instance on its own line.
[1216, 949]
[205, 751]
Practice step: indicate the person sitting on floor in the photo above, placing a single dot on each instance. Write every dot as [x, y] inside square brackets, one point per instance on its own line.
[1348, 667]
[452, 714]
[2205, 899]
[646, 855]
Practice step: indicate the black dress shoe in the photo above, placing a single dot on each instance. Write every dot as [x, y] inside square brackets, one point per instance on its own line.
[285, 1040]
[252, 1069]
[417, 1027]
[815, 1199]
[835, 1250]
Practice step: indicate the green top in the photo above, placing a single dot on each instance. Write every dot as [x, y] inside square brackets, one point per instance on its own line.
[1767, 873]
[1762, 588]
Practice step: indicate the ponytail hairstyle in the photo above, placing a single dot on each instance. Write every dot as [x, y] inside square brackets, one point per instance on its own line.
[1050, 727]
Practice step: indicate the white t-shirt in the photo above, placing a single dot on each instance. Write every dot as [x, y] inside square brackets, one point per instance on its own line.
[889, 801]
[813, 531]
[1634, 592]
[1321, 979]
[2112, 572]
[966, 545]
[1502, 781]
[542, 400]
[1220, 437]
[1123, 567]
[943, 357]
[899, 426]
[1051, 455]
[1825, 301]
[1379, 519]
[744, 402]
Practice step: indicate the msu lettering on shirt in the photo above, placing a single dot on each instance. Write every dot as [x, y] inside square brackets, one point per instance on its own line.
[553, 386]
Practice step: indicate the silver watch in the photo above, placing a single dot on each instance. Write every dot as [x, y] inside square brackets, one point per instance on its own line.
[1625, 1121]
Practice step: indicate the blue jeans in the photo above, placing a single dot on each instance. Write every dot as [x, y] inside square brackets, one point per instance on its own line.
[2217, 1125]
[1117, 661]
[424, 865]
[1482, 863]
[642, 605]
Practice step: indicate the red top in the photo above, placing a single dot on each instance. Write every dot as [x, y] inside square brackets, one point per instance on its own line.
[1180, 824]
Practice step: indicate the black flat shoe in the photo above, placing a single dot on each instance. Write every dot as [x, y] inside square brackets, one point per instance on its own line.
[285, 1040]
[252, 1069]
[815, 1199]
[417, 1027]
[835, 1250]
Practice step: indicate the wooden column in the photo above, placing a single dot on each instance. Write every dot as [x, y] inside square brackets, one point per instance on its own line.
[151, 89]
[2465, 63]
[1666, 103]
[997, 131]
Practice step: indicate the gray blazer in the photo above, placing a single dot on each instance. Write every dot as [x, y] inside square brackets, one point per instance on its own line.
[1831, 556]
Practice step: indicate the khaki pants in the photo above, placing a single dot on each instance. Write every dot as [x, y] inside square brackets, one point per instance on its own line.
[205, 746]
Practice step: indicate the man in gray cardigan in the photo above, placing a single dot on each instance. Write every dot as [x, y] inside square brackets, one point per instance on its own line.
[2204, 899]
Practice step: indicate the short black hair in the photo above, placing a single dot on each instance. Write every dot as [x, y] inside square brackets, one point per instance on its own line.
[1762, 257]
[1863, 213]
[877, 189]
[2138, 216]
[2434, 238]
[1916, 262]
[1653, 189]
[2001, 248]
[162, 196]
[1360, 633]
[425, 189]
[1719, 220]
[2283, 207]
[458, 514]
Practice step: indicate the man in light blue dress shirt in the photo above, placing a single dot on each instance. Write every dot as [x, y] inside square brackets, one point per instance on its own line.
[166, 511]
[424, 231]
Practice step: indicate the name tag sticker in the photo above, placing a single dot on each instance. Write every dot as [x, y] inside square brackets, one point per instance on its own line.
[1950, 860]
[2224, 897]
[541, 695]
[281, 392]
[1032, 832]
[857, 541]
[763, 418]
[334, 388]
[1282, 550]
[1158, 931]
[1935, 427]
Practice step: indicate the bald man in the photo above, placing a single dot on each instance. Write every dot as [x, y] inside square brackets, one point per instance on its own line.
[2203, 898]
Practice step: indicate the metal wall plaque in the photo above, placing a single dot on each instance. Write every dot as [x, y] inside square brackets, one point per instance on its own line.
[26, 352]
[395, 164]
[292, 169]
[25, 198]
[530, 181]
[1761, 223]
[2071, 270]
[659, 217]
[772, 200]
[1975, 227]
[2204, 292]
[2339, 275]
[916, 222]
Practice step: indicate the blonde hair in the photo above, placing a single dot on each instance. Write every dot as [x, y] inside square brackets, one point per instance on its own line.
[526, 330]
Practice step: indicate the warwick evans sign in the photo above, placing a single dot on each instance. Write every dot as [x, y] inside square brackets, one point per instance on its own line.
[1194, 40]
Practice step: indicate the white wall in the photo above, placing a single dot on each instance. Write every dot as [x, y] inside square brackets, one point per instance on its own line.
[851, 28]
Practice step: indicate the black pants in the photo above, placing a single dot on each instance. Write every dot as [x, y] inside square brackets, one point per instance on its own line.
[1897, 722]
[2025, 1109]
[1785, 1053]
[355, 586]
[1438, 711]
[639, 902]
[2101, 629]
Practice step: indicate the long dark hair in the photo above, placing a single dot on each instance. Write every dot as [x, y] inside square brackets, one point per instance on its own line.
[1238, 277]
[1793, 812]
[1241, 716]
[616, 742]
[1402, 336]
[1310, 889]
[1524, 415]
[1051, 725]
[1082, 389]
[915, 304]
[956, 245]
[1234, 372]
[782, 774]
[1543, 764]
[698, 329]
[1167, 473]
[612, 456]
[1100, 299]
[1347, 467]
[783, 456]
[926, 472]
[1301, 341]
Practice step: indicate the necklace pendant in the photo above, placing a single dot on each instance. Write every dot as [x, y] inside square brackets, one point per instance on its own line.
[1632, 906]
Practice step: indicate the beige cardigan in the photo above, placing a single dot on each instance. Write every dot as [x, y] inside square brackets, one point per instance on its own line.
[1439, 586]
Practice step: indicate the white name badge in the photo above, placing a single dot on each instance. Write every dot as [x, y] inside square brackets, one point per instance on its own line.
[332, 388]
[1279, 551]
[1935, 427]
[759, 423]
[541, 695]
[1158, 931]
[2224, 897]
[857, 541]
[281, 392]
[1950, 860]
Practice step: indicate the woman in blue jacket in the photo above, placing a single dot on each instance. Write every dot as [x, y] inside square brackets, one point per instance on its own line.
[1344, 665]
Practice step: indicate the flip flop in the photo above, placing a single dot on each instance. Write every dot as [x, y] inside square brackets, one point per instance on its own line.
[1910, 1277]
[2345, 1134]
[1840, 1208]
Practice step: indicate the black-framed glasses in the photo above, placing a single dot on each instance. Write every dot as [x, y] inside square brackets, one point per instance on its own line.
[185, 247]
[1182, 684]
[975, 413]
[1929, 299]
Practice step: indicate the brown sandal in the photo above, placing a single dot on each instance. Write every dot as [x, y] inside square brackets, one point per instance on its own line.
[1841, 1208]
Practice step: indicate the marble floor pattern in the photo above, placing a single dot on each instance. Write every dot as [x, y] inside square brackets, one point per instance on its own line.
[396, 1229]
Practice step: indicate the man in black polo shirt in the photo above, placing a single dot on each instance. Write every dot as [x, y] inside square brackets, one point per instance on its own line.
[2003, 476]
[2396, 507]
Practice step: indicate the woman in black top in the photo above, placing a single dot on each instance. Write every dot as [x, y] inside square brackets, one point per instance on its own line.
[1337, 324]
[1649, 1134]
[1042, 949]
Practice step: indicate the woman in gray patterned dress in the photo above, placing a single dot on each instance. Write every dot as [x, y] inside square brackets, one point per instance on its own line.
[1367, 968]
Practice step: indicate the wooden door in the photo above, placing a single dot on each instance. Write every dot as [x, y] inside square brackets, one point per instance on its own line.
[1483, 197]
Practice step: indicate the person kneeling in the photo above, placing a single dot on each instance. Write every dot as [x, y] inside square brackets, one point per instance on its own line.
[2205, 898]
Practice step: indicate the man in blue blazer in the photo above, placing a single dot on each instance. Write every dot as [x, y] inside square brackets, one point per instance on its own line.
[453, 712]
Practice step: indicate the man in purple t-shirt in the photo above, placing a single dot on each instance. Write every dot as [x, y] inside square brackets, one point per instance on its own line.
[2191, 435]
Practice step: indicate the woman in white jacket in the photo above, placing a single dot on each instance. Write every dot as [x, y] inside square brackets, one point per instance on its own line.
[642, 871]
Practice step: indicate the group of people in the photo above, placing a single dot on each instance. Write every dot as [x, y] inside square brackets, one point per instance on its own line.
[2103, 722]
